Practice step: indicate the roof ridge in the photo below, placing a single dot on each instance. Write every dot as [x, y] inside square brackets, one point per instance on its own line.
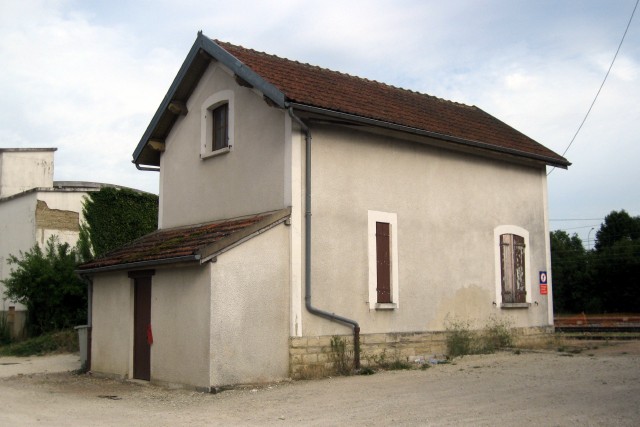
[351, 76]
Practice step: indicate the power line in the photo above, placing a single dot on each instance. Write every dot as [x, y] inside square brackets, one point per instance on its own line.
[578, 219]
[601, 85]
[575, 228]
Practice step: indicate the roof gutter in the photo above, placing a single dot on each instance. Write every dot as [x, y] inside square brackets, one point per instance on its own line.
[145, 168]
[307, 249]
[408, 129]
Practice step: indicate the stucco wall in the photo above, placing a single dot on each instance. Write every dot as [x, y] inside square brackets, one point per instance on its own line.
[23, 169]
[34, 217]
[112, 324]
[17, 233]
[180, 321]
[246, 180]
[447, 204]
[250, 311]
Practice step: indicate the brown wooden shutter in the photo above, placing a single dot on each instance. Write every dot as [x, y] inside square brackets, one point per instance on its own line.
[383, 262]
[518, 269]
[512, 268]
[506, 260]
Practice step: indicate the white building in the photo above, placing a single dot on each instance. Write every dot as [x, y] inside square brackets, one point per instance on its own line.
[33, 207]
[423, 210]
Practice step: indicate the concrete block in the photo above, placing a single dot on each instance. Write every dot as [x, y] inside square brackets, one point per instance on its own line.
[374, 338]
[297, 342]
[309, 358]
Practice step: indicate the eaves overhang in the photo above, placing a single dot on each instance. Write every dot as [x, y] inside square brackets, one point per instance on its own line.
[139, 265]
[551, 161]
[195, 64]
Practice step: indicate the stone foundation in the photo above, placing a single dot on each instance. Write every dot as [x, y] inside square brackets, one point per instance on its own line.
[312, 357]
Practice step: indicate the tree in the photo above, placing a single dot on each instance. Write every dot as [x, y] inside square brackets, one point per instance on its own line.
[616, 272]
[572, 283]
[617, 226]
[617, 262]
[114, 217]
[46, 283]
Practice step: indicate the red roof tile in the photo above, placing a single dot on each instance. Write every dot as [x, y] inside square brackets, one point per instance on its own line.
[319, 87]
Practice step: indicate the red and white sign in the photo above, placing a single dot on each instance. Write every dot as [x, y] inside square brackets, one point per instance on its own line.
[544, 290]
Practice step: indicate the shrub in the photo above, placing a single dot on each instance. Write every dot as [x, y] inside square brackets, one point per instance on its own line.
[46, 283]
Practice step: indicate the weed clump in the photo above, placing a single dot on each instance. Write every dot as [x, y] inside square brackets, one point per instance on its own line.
[462, 339]
[496, 334]
[342, 358]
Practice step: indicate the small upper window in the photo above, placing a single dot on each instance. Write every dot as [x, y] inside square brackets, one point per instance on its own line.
[220, 137]
[217, 124]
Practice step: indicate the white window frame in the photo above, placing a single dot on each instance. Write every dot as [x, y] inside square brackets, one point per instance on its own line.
[512, 229]
[392, 219]
[206, 123]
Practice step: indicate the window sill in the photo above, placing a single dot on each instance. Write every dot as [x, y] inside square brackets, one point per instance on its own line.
[386, 306]
[215, 153]
[515, 305]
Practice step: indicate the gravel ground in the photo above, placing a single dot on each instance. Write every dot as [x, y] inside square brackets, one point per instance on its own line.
[599, 386]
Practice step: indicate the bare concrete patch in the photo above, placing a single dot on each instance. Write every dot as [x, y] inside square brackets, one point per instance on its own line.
[531, 388]
[10, 366]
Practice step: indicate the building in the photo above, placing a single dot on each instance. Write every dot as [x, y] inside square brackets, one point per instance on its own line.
[299, 203]
[34, 207]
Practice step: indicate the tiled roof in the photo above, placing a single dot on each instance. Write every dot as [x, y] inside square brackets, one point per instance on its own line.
[319, 87]
[191, 243]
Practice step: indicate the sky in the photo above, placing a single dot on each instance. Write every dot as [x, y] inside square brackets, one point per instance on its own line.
[87, 76]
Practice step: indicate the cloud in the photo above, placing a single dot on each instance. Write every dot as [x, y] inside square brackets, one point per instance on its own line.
[81, 87]
[87, 76]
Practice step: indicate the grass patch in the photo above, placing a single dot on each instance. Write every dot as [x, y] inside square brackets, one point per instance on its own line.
[54, 342]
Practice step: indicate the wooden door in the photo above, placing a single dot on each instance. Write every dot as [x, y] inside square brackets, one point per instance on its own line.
[141, 328]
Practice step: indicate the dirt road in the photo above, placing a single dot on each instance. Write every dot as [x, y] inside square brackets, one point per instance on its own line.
[596, 387]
